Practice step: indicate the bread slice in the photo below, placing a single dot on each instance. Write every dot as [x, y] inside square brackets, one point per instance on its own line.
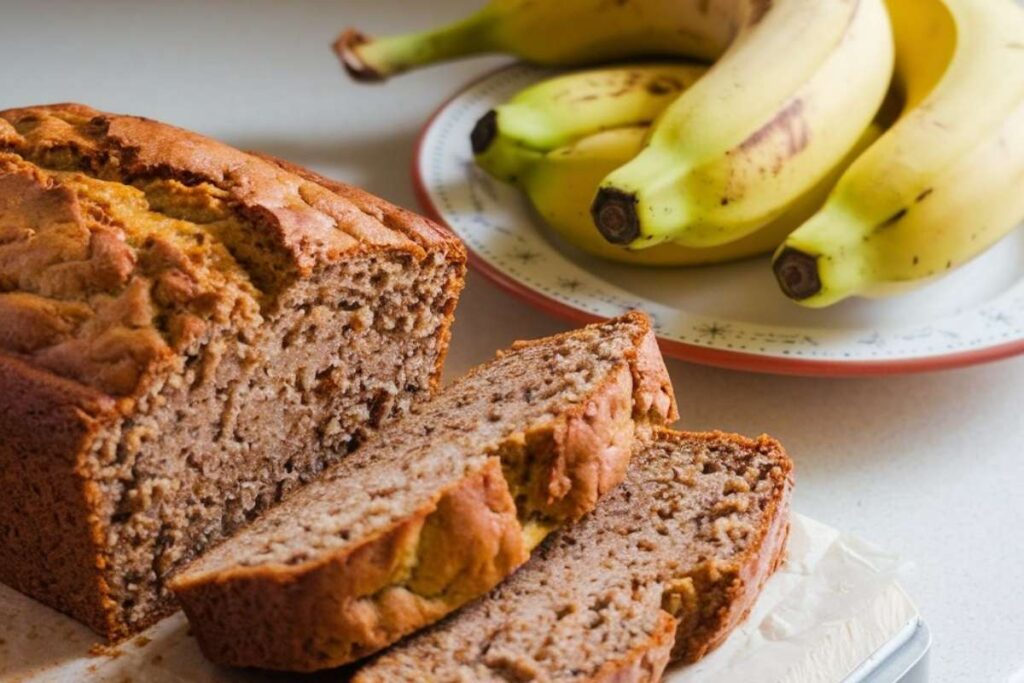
[437, 509]
[665, 567]
[187, 333]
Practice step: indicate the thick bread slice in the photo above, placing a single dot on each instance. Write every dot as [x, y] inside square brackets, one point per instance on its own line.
[436, 510]
[664, 569]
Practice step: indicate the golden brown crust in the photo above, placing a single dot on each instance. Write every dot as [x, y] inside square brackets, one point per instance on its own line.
[259, 616]
[644, 663]
[654, 386]
[585, 453]
[350, 603]
[47, 424]
[310, 224]
[47, 155]
[423, 231]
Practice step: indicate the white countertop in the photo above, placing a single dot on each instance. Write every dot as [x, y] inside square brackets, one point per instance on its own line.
[928, 465]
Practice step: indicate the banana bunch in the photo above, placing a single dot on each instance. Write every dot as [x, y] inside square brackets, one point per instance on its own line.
[737, 158]
[556, 140]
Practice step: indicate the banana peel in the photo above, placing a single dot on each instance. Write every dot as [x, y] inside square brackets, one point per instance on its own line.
[561, 186]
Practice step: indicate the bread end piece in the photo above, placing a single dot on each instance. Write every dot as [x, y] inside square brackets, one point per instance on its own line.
[727, 609]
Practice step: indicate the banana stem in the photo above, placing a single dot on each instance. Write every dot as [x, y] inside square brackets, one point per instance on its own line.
[614, 214]
[797, 274]
[375, 59]
[825, 260]
[484, 132]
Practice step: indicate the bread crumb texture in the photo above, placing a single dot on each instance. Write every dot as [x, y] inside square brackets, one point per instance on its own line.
[662, 570]
[436, 510]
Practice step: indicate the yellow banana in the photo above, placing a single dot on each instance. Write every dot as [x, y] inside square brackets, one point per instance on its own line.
[562, 33]
[561, 184]
[946, 181]
[565, 108]
[794, 85]
[772, 116]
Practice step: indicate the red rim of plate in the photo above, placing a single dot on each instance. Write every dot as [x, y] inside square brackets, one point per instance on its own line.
[731, 360]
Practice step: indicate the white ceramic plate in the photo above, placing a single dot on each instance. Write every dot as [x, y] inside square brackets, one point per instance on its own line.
[730, 315]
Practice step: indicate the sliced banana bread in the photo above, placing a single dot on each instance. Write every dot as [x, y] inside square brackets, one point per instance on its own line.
[665, 567]
[435, 510]
[187, 332]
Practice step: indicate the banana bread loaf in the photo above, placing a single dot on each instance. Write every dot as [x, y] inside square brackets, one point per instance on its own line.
[435, 510]
[187, 333]
[664, 569]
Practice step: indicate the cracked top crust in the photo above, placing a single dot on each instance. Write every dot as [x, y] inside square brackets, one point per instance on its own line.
[124, 240]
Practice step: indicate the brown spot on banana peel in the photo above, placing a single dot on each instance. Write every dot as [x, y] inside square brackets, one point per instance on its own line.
[797, 274]
[664, 85]
[614, 214]
[891, 220]
[632, 78]
[790, 124]
[703, 6]
[346, 47]
[788, 121]
[924, 195]
[627, 85]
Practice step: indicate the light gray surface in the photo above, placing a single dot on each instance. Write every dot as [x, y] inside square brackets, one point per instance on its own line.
[927, 465]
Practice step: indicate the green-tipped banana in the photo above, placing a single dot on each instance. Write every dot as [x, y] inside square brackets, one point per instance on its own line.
[505, 160]
[562, 109]
[946, 181]
[562, 33]
[561, 185]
